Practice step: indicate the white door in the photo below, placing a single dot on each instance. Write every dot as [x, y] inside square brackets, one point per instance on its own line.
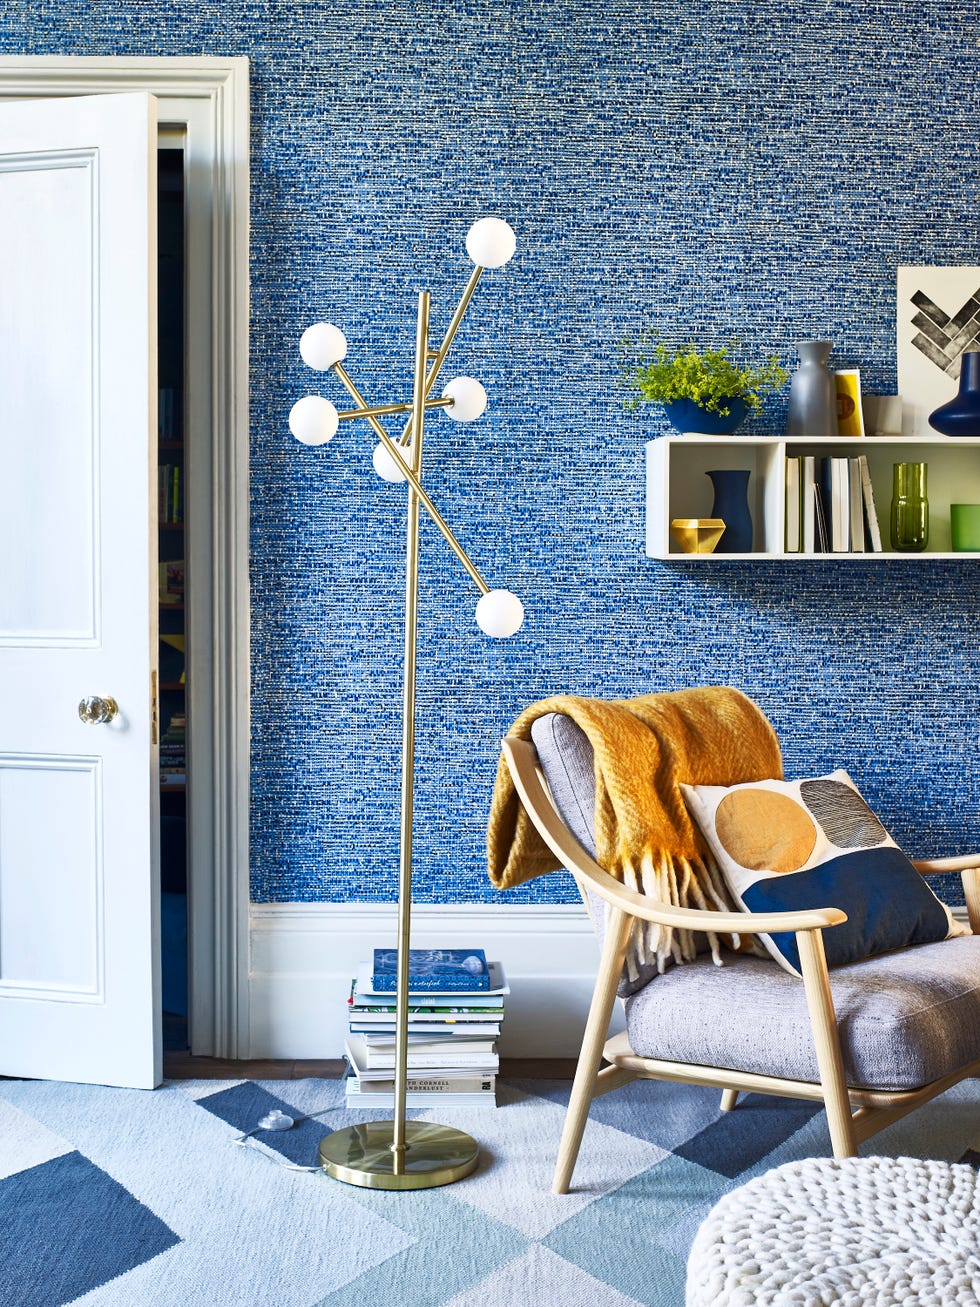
[79, 924]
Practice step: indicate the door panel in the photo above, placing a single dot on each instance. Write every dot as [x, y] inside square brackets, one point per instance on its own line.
[48, 267]
[51, 879]
[79, 804]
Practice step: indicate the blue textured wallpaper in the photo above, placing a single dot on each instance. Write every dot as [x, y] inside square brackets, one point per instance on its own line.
[757, 169]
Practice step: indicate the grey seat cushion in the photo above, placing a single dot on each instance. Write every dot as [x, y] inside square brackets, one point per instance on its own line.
[905, 1018]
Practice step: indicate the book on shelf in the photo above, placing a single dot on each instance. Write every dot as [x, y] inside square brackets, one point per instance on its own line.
[366, 993]
[808, 504]
[170, 495]
[856, 504]
[432, 970]
[870, 512]
[466, 1029]
[479, 1083]
[794, 504]
[821, 520]
[835, 496]
[370, 1061]
[172, 581]
[445, 1011]
[480, 1093]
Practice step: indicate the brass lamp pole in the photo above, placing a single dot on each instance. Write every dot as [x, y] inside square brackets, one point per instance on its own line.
[401, 1154]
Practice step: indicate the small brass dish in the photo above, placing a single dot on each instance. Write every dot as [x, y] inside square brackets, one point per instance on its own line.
[697, 535]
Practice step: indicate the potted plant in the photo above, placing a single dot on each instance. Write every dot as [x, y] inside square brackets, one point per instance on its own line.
[702, 390]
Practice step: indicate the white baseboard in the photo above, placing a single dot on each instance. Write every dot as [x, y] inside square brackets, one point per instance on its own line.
[302, 957]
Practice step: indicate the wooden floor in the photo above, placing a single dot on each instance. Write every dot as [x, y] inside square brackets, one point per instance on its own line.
[182, 1066]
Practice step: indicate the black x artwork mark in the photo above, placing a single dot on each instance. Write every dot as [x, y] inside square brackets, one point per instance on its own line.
[942, 339]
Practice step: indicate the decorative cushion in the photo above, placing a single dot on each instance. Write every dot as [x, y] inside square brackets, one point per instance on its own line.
[787, 845]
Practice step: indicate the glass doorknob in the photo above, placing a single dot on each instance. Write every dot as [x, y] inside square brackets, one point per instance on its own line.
[94, 710]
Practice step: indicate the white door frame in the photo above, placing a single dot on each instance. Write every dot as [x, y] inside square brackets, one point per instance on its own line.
[206, 100]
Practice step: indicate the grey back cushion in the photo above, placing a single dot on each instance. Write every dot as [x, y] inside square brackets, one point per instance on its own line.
[567, 760]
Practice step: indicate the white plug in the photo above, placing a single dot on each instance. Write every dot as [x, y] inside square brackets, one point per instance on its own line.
[276, 1120]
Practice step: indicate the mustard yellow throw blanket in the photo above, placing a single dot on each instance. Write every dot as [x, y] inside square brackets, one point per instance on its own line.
[644, 748]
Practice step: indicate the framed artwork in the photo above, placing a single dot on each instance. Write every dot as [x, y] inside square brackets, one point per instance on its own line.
[937, 318]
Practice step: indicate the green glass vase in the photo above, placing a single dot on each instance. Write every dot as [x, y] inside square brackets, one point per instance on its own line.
[910, 508]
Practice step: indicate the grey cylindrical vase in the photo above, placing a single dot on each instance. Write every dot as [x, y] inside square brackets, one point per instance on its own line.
[812, 394]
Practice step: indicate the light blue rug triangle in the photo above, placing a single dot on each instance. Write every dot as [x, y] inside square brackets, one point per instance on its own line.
[112, 1197]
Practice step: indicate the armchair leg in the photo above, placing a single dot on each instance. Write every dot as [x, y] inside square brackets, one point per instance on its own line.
[820, 1004]
[729, 1097]
[596, 1033]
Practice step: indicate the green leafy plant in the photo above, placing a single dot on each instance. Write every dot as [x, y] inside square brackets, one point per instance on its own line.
[657, 373]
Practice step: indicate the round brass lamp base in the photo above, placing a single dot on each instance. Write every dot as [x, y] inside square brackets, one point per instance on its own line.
[434, 1155]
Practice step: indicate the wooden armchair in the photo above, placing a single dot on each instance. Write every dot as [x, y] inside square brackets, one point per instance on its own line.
[832, 1067]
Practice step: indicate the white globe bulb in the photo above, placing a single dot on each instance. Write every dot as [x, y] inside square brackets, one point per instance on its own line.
[322, 345]
[385, 465]
[491, 242]
[313, 420]
[469, 399]
[500, 614]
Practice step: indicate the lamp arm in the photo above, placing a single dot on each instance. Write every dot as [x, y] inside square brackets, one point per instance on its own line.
[397, 453]
[440, 355]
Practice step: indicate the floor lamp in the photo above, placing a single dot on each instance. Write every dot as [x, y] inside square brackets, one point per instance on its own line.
[400, 1154]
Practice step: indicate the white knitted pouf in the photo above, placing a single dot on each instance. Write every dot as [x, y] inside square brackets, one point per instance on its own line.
[861, 1232]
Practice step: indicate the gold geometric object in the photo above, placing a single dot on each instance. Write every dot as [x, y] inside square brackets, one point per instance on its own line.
[697, 535]
[363, 1155]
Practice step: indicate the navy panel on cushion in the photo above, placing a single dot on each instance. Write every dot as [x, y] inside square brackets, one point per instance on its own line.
[888, 905]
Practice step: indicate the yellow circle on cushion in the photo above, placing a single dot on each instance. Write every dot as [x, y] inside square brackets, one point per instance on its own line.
[765, 831]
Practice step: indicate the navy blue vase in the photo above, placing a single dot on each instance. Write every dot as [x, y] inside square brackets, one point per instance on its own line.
[732, 506]
[686, 416]
[961, 416]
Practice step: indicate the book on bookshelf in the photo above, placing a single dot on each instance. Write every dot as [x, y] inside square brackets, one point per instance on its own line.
[467, 1030]
[870, 512]
[366, 993]
[479, 1083]
[856, 504]
[808, 505]
[172, 581]
[793, 505]
[821, 520]
[368, 1061]
[440, 970]
[382, 1094]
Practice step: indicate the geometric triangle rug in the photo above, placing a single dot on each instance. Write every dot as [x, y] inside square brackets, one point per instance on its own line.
[128, 1198]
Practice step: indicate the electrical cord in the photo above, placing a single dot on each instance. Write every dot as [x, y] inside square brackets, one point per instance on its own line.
[277, 1121]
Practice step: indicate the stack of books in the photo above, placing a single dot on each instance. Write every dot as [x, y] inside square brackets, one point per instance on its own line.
[173, 747]
[456, 1005]
[830, 506]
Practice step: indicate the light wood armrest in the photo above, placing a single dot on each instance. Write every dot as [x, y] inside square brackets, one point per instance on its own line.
[936, 866]
[969, 868]
[522, 759]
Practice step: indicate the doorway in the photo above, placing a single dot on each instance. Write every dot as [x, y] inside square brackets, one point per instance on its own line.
[203, 104]
[172, 493]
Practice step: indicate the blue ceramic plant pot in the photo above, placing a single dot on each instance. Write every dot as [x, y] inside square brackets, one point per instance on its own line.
[686, 416]
[961, 416]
